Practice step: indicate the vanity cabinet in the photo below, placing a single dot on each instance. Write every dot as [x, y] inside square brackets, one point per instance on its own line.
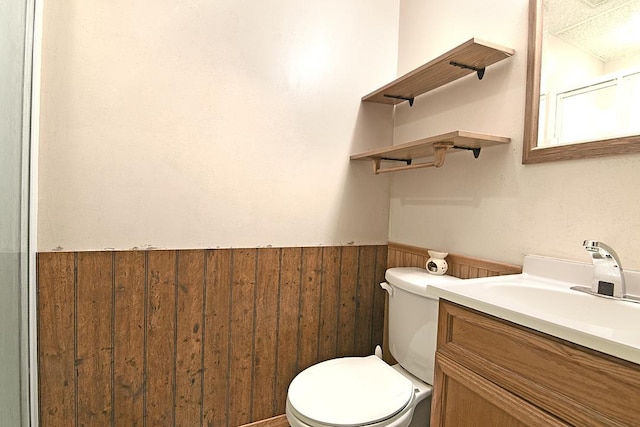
[495, 373]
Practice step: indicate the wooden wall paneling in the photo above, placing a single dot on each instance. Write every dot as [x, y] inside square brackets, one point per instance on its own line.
[310, 300]
[216, 338]
[94, 345]
[397, 258]
[129, 340]
[364, 300]
[161, 338]
[56, 338]
[391, 258]
[265, 343]
[189, 318]
[473, 272]
[288, 320]
[241, 340]
[401, 255]
[410, 259]
[457, 270]
[387, 356]
[347, 303]
[377, 326]
[394, 259]
[475, 267]
[189, 337]
[328, 321]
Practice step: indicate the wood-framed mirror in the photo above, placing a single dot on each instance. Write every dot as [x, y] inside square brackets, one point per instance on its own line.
[555, 102]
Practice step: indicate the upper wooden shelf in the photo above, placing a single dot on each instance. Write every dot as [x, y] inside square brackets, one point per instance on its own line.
[470, 57]
[435, 146]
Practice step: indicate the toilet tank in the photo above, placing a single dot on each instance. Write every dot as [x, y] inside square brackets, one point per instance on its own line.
[413, 319]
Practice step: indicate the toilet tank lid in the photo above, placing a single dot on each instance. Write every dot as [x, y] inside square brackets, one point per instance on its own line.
[350, 391]
[415, 280]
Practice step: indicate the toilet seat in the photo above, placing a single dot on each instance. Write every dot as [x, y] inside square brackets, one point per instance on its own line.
[350, 391]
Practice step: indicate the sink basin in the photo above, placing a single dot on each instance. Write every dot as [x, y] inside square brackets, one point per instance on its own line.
[555, 302]
[550, 306]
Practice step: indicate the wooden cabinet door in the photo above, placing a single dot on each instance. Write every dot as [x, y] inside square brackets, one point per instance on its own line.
[572, 383]
[463, 398]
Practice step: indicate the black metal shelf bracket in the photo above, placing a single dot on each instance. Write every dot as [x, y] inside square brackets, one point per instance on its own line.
[404, 98]
[479, 71]
[476, 151]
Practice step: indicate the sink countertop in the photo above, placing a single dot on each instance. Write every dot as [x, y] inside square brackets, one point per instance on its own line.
[540, 299]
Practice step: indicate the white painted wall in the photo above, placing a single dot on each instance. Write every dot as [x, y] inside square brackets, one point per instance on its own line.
[495, 207]
[186, 126]
[213, 124]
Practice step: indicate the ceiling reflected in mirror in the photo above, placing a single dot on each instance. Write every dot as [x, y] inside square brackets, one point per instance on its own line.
[606, 29]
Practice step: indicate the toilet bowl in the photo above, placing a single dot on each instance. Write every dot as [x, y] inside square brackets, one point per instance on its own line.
[366, 391]
[354, 391]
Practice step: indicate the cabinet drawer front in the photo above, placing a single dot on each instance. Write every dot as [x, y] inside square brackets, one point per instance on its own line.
[576, 384]
[464, 398]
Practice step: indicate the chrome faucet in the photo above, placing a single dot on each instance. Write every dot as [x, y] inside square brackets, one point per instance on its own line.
[608, 279]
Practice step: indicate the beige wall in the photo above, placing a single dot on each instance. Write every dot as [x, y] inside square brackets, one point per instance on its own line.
[194, 126]
[213, 124]
[495, 207]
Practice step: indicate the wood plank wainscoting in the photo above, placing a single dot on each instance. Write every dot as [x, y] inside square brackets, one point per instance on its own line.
[401, 255]
[197, 337]
[205, 337]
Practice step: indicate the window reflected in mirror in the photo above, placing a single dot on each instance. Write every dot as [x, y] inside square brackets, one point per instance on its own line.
[590, 69]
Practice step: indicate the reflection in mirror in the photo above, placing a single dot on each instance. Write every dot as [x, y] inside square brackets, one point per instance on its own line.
[583, 80]
[590, 70]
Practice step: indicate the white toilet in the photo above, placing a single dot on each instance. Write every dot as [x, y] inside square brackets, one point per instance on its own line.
[359, 391]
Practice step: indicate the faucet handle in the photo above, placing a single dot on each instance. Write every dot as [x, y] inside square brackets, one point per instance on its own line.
[608, 278]
[601, 250]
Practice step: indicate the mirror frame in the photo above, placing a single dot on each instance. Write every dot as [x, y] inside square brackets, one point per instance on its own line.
[531, 153]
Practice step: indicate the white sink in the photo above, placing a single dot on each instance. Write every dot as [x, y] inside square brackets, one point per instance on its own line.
[560, 302]
[535, 300]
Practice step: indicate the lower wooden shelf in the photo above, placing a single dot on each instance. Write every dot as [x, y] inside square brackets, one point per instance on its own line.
[435, 146]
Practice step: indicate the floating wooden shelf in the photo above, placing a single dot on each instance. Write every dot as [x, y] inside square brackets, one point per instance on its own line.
[472, 56]
[435, 146]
